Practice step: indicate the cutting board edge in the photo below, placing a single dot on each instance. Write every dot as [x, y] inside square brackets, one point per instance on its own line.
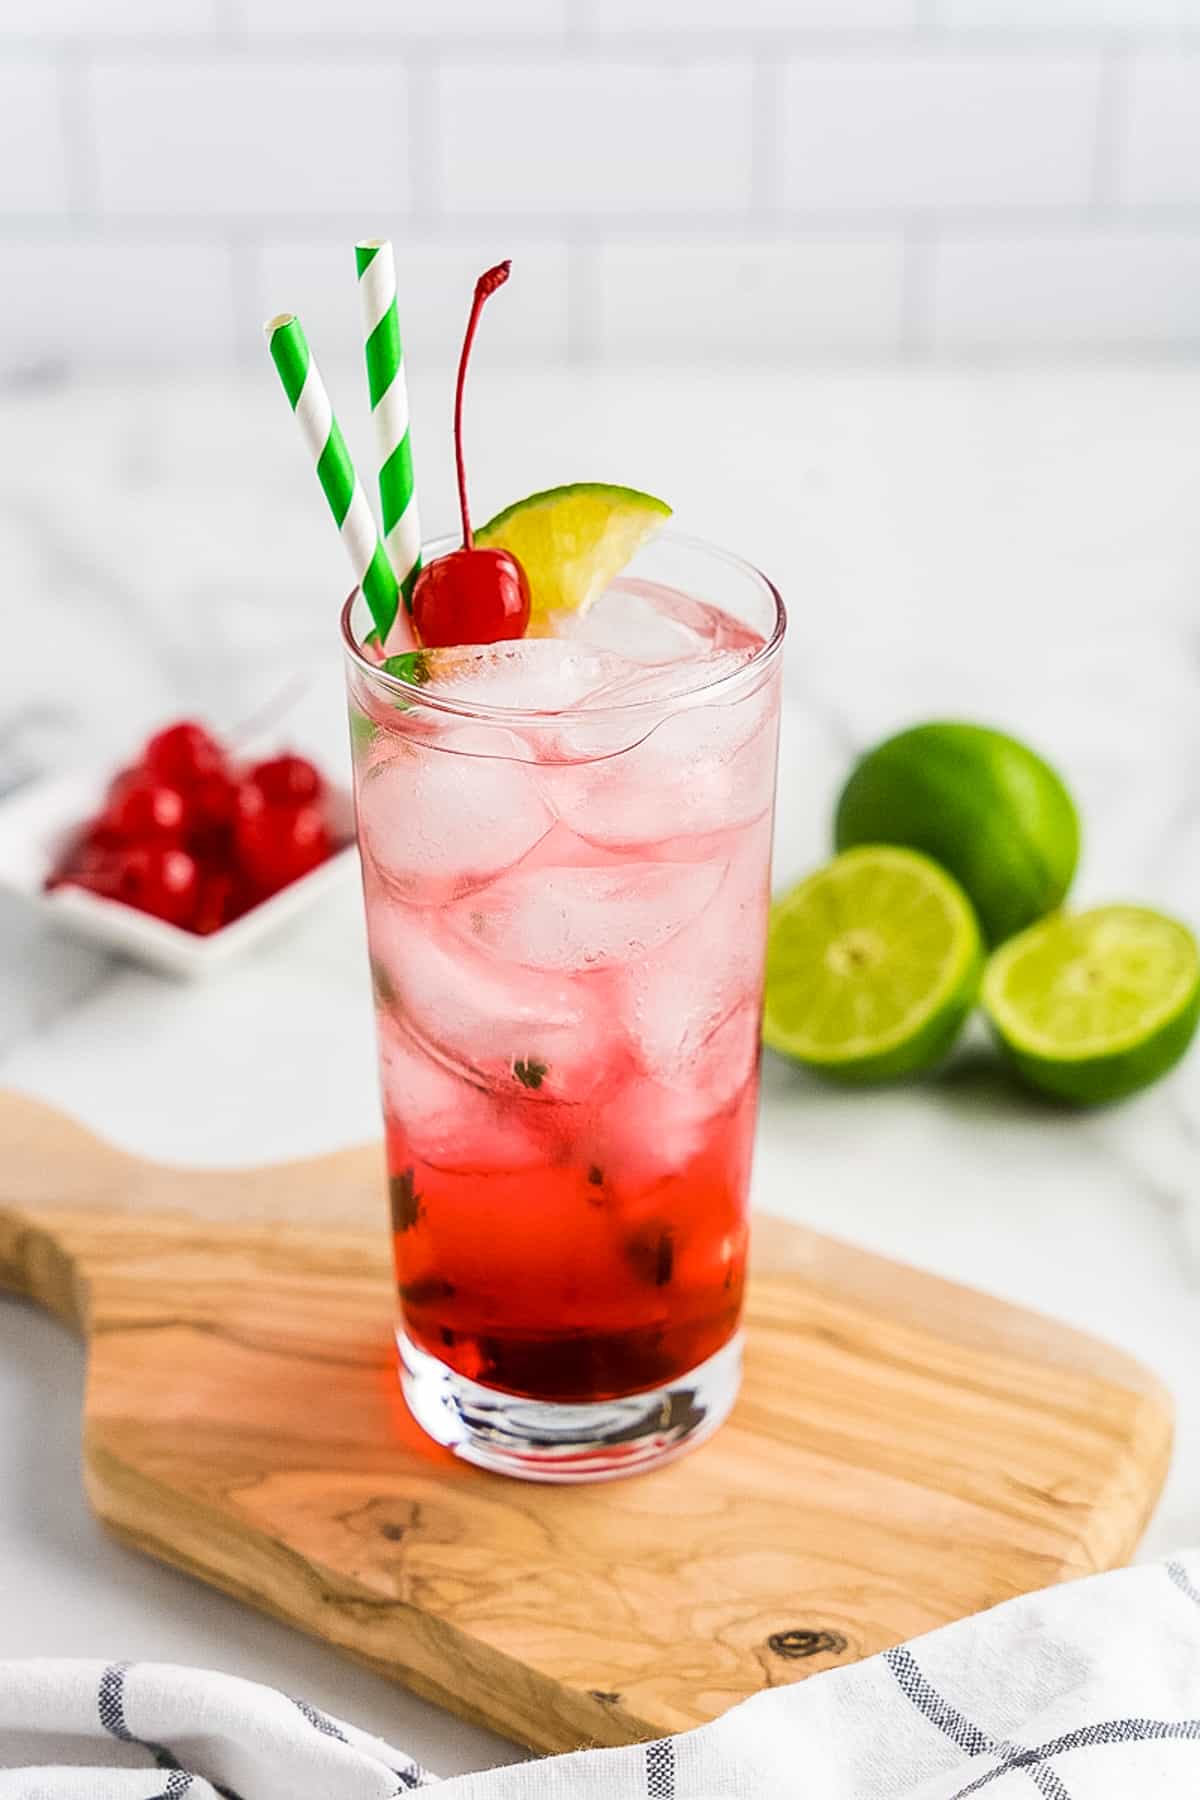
[581, 1718]
[37, 1264]
[553, 1718]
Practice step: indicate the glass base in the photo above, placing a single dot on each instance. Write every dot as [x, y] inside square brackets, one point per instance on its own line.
[545, 1440]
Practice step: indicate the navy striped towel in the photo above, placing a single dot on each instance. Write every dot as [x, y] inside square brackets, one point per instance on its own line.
[1088, 1691]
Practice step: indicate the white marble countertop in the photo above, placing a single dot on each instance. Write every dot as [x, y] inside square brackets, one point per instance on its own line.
[1021, 547]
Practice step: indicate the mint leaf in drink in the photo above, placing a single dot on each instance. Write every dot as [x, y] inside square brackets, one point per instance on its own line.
[363, 730]
[530, 1073]
[651, 1252]
[406, 1202]
[381, 981]
[411, 666]
[427, 1292]
[596, 1195]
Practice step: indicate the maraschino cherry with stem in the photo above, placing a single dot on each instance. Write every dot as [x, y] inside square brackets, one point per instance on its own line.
[473, 595]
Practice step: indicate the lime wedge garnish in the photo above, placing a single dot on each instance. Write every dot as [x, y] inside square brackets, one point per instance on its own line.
[571, 541]
[1095, 1006]
[872, 966]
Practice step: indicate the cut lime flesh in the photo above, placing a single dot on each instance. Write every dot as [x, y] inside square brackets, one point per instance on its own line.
[571, 541]
[872, 966]
[1095, 1006]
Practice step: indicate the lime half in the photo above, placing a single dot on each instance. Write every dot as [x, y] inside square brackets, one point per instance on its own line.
[872, 966]
[1096, 1006]
[572, 541]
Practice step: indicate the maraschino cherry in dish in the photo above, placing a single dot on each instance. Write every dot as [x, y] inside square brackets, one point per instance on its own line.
[191, 835]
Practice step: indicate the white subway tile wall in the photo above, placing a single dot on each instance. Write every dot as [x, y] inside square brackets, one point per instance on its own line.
[940, 131]
[1051, 17]
[317, 279]
[1162, 162]
[33, 171]
[107, 19]
[593, 137]
[1100, 290]
[223, 138]
[405, 18]
[845, 293]
[82, 300]
[695, 16]
[763, 180]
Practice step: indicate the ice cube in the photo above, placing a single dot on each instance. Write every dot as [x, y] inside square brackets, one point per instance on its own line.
[437, 821]
[519, 1030]
[582, 918]
[641, 623]
[646, 1131]
[673, 1002]
[649, 1131]
[728, 1057]
[449, 1121]
[702, 768]
[665, 682]
[529, 674]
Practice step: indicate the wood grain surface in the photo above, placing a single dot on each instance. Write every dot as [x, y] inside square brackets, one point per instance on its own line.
[905, 1451]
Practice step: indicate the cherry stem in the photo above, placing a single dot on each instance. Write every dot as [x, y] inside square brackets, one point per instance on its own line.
[487, 284]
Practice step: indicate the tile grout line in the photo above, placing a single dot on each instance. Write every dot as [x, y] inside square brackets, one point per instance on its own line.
[1112, 117]
[230, 21]
[578, 33]
[422, 80]
[432, 227]
[78, 136]
[229, 36]
[766, 126]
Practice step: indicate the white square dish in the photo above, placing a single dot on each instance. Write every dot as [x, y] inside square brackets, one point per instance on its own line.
[35, 822]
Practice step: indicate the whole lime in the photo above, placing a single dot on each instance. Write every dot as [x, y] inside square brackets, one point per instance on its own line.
[982, 804]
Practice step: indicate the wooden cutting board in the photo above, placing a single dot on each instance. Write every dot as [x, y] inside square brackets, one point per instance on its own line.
[905, 1451]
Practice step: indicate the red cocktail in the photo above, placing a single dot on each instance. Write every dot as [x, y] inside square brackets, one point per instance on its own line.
[566, 847]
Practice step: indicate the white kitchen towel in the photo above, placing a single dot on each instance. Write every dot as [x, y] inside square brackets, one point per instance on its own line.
[1088, 1691]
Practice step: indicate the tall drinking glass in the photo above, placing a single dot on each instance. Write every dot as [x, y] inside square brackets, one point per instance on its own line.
[566, 908]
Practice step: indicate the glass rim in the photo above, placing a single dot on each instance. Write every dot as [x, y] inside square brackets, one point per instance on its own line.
[414, 694]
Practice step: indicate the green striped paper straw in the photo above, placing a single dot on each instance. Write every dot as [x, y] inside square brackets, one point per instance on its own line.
[389, 408]
[349, 505]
